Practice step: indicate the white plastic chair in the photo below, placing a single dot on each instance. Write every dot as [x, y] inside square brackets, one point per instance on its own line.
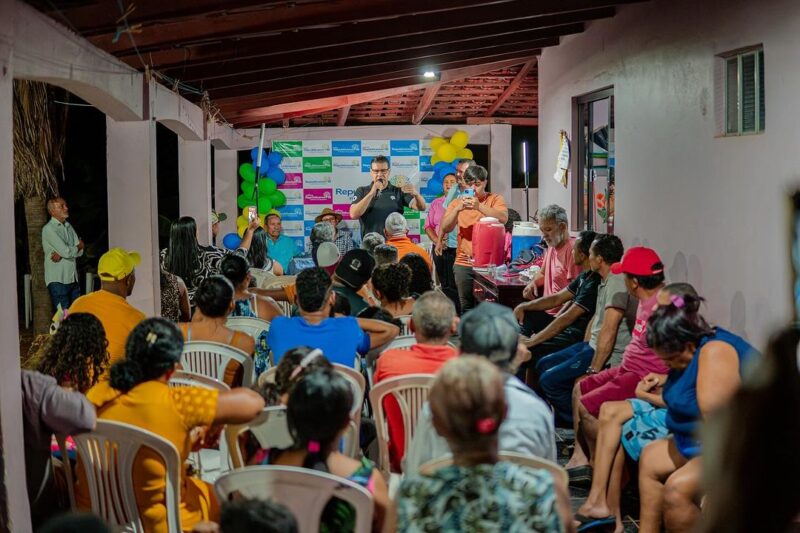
[557, 471]
[405, 331]
[247, 324]
[402, 342]
[182, 378]
[107, 455]
[410, 391]
[305, 492]
[269, 428]
[211, 358]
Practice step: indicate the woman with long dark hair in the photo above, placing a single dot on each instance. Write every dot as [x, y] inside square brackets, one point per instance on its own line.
[138, 393]
[258, 256]
[318, 412]
[705, 365]
[185, 258]
[421, 279]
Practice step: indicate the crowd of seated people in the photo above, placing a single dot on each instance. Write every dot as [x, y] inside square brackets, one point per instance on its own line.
[603, 345]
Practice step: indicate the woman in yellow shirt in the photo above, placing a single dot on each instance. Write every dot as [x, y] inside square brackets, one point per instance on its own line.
[138, 393]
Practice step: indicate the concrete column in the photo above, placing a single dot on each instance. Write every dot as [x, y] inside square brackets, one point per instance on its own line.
[13, 448]
[133, 204]
[500, 160]
[226, 190]
[194, 171]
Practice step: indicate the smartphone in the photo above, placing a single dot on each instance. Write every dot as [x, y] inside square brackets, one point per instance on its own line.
[252, 213]
[468, 193]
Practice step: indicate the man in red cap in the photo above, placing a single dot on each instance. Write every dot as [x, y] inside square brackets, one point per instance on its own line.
[644, 277]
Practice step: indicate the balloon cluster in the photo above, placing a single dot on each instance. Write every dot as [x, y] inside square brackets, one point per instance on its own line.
[445, 153]
[269, 178]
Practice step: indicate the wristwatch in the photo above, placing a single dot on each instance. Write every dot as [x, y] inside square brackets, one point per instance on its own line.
[590, 371]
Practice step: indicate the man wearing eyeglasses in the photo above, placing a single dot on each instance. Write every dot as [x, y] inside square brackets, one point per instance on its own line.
[377, 201]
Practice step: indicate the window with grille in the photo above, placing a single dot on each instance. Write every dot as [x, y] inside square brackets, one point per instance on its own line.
[744, 92]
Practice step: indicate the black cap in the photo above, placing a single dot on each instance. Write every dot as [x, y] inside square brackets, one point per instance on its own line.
[355, 268]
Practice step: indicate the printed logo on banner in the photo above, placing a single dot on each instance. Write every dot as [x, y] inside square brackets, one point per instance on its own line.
[288, 148]
[300, 242]
[430, 197]
[292, 165]
[292, 212]
[316, 148]
[342, 209]
[292, 228]
[312, 211]
[347, 164]
[425, 147]
[425, 163]
[294, 180]
[410, 214]
[308, 225]
[318, 196]
[317, 165]
[413, 238]
[342, 195]
[405, 147]
[293, 196]
[408, 166]
[317, 179]
[346, 148]
[373, 148]
[366, 161]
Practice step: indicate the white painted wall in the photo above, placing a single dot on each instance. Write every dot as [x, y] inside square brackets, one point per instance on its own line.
[714, 208]
[194, 182]
[226, 190]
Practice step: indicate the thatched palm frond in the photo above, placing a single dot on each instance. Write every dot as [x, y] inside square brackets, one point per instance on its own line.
[39, 137]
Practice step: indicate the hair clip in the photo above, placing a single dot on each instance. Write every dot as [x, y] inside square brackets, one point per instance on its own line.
[151, 338]
[486, 425]
[305, 361]
[313, 446]
[677, 301]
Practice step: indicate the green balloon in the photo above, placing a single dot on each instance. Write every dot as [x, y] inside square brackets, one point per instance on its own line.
[266, 187]
[244, 201]
[264, 205]
[278, 199]
[247, 173]
[248, 188]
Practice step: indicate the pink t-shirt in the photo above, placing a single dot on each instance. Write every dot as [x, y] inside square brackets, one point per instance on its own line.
[638, 357]
[435, 214]
[559, 270]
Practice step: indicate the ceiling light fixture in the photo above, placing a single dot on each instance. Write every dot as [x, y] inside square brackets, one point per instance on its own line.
[429, 74]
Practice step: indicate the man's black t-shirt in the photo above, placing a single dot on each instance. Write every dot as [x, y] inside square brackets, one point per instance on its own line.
[584, 287]
[389, 200]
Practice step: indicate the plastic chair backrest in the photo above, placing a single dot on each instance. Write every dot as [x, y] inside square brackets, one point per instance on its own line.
[358, 384]
[247, 324]
[411, 392]
[270, 429]
[402, 342]
[405, 331]
[107, 455]
[305, 492]
[211, 358]
[68, 473]
[557, 471]
[182, 378]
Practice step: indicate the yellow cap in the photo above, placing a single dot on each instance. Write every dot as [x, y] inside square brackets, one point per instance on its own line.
[117, 263]
[273, 213]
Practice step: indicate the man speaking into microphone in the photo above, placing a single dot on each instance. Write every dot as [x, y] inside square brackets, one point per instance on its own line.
[375, 202]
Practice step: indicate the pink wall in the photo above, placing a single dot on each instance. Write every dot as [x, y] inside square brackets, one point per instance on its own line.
[713, 207]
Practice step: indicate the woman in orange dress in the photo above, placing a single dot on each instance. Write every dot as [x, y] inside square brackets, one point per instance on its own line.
[138, 393]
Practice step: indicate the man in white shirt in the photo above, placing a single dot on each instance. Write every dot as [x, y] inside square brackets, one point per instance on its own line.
[61, 247]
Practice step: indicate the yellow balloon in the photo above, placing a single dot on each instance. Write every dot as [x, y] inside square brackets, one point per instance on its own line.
[464, 153]
[436, 142]
[460, 139]
[435, 159]
[240, 230]
[446, 152]
[241, 221]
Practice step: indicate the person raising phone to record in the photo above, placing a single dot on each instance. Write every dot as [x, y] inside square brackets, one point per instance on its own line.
[375, 202]
[474, 203]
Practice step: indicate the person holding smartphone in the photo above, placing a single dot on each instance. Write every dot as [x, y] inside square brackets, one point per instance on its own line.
[474, 203]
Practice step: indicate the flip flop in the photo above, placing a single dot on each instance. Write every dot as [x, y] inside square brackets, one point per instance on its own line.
[588, 522]
[579, 473]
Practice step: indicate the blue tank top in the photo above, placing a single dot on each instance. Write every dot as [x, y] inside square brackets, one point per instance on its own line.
[680, 392]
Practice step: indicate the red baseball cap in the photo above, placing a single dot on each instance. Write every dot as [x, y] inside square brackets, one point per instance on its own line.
[639, 261]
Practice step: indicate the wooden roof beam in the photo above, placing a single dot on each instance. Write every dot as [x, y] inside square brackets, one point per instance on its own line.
[514, 121]
[515, 83]
[341, 119]
[425, 103]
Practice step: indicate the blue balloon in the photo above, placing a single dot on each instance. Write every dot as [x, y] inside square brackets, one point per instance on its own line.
[440, 165]
[435, 187]
[231, 241]
[254, 157]
[275, 158]
[277, 175]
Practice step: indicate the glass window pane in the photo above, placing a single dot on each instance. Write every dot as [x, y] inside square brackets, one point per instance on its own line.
[761, 105]
[749, 93]
[732, 95]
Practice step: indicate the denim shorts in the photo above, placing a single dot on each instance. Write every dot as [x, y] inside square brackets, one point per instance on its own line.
[649, 424]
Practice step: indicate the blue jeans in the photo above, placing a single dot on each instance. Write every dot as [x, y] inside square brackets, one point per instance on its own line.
[557, 374]
[63, 293]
